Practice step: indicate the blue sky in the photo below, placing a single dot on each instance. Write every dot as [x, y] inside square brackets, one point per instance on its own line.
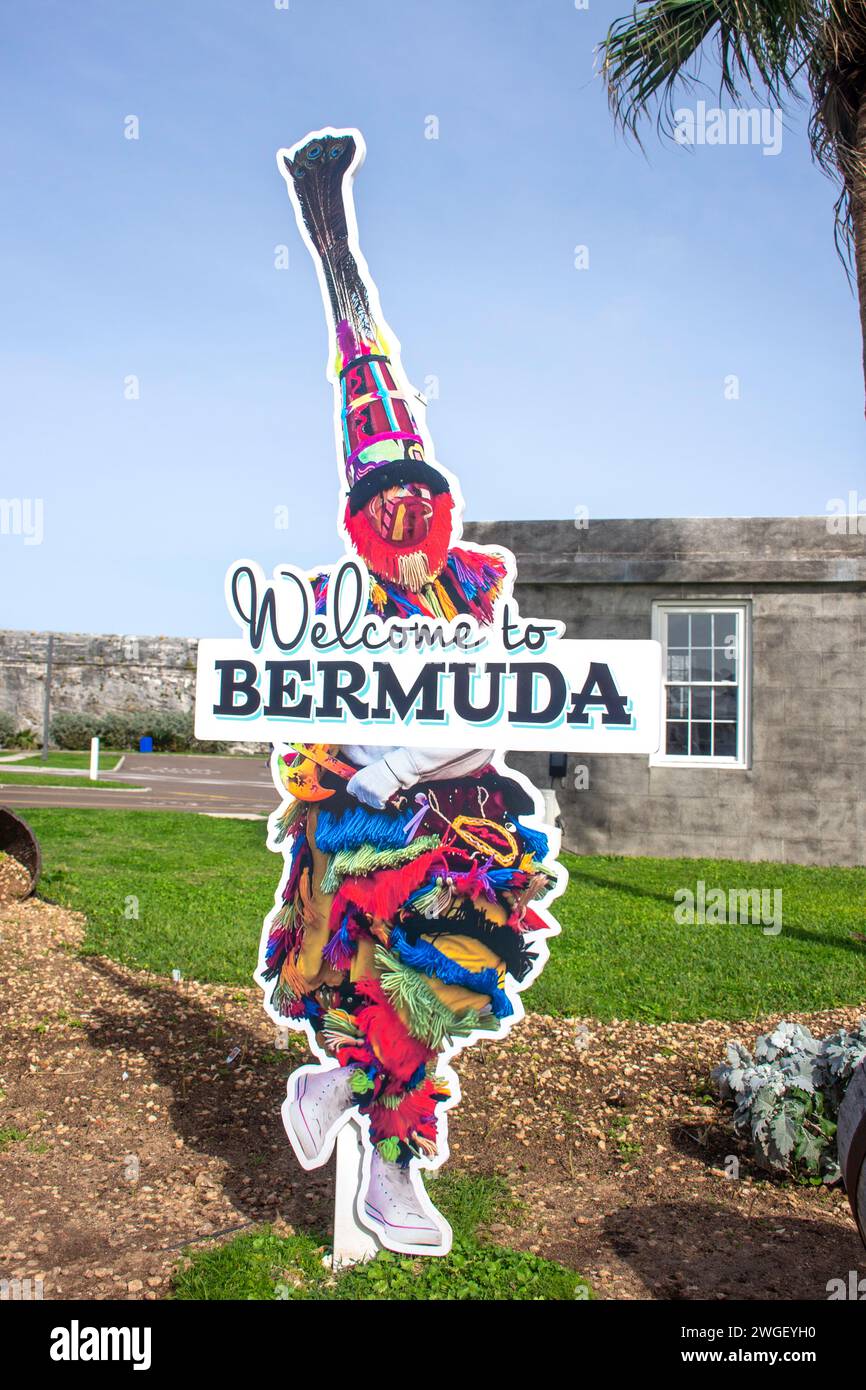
[558, 388]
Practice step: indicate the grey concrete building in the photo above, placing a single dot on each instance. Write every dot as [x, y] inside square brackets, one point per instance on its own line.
[763, 625]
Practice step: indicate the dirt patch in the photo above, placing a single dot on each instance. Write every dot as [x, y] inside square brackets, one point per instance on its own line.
[139, 1115]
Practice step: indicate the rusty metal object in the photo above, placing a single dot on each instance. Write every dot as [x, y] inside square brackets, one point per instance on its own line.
[19, 842]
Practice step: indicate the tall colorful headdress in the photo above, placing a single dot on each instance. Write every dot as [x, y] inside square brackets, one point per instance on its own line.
[380, 440]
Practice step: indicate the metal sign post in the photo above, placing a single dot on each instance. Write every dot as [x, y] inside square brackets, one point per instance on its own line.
[46, 702]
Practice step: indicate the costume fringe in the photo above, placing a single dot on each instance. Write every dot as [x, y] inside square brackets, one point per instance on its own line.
[290, 822]
[338, 1027]
[448, 890]
[388, 1044]
[285, 934]
[445, 603]
[430, 1020]
[535, 840]
[342, 946]
[360, 828]
[426, 957]
[366, 860]
[457, 581]
[408, 1117]
[503, 940]
[480, 578]
[379, 895]
[409, 567]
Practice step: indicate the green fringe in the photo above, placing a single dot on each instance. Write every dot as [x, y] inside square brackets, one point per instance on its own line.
[367, 860]
[286, 917]
[360, 1082]
[389, 1149]
[429, 902]
[281, 994]
[336, 1021]
[391, 1102]
[430, 1020]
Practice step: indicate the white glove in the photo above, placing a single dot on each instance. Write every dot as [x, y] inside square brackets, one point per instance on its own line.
[374, 784]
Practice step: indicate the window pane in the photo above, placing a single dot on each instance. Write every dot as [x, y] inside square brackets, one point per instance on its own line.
[701, 630]
[701, 744]
[726, 703]
[724, 665]
[725, 740]
[678, 702]
[677, 739]
[702, 702]
[678, 665]
[678, 629]
[702, 666]
[724, 629]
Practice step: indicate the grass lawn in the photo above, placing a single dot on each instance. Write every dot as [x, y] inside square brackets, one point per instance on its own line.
[45, 779]
[108, 759]
[203, 886]
[262, 1265]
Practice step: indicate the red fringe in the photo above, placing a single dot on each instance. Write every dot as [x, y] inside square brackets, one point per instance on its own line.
[414, 1115]
[381, 556]
[382, 893]
[395, 1048]
[532, 922]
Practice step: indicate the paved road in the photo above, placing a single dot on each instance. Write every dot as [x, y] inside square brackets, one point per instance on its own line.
[170, 782]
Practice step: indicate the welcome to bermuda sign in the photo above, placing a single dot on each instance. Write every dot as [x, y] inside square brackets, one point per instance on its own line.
[295, 674]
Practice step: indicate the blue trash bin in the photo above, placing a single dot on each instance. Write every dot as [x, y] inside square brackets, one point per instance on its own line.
[145, 744]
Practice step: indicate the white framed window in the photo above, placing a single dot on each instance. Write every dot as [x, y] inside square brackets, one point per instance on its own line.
[705, 674]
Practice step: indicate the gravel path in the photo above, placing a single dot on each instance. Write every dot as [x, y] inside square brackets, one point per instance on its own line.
[130, 1127]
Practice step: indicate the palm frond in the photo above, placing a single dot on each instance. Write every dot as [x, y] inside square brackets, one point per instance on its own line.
[662, 44]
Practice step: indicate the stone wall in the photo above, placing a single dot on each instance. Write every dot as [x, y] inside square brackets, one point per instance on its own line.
[95, 675]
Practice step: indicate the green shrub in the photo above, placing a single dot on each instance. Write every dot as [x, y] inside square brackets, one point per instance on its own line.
[8, 729]
[123, 728]
[25, 738]
[73, 730]
[172, 730]
[786, 1096]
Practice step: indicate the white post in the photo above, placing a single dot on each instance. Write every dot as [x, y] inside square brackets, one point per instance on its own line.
[94, 759]
[352, 1242]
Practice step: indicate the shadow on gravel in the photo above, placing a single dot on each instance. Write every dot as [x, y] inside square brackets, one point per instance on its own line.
[705, 1251]
[225, 1111]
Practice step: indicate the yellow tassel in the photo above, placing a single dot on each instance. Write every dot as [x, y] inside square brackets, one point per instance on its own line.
[378, 597]
[448, 609]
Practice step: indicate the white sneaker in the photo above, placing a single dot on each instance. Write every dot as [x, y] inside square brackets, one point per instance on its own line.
[319, 1099]
[403, 1216]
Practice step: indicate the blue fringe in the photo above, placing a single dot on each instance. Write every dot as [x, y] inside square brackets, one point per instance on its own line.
[417, 1077]
[361, 826]
[425, 957]
[535, 840]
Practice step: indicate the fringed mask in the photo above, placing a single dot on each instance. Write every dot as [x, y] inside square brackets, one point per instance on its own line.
[403, 533]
